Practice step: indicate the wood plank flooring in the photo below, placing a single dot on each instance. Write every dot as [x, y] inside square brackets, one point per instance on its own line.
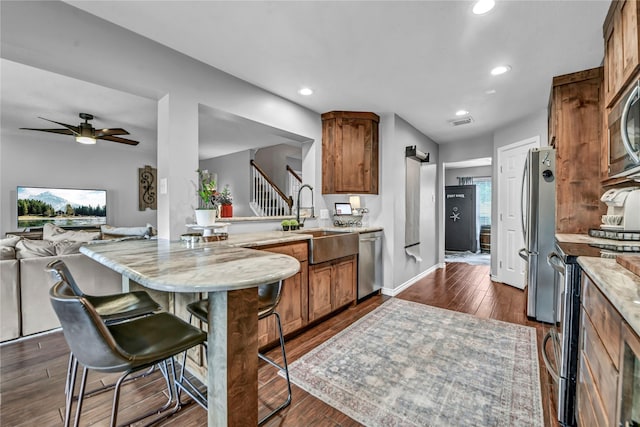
[32, 371]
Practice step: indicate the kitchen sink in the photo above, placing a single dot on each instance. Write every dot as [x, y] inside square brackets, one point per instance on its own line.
[326, 245]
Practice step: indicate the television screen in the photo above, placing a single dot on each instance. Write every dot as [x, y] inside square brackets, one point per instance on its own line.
[64, 207]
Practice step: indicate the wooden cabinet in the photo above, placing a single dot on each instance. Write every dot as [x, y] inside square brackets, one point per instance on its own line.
[600, 332]
[575, 130]
[332, 285]
[349, 152]
[294, 299]
[621, 47]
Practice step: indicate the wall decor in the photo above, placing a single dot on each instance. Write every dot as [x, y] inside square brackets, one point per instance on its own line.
[147, 192]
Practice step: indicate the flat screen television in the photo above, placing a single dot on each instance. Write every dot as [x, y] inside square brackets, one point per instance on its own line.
[64, 207]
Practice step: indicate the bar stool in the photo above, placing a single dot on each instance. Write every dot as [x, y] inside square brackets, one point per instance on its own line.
[111, 308]
[120, 347]
[268, 299]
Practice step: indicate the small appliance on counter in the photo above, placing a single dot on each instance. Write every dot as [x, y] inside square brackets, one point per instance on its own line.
[623, 209]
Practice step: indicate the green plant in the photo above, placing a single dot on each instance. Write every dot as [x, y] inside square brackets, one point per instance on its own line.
[225, 196]
[293, 222]
[209, 196]
[286, 223]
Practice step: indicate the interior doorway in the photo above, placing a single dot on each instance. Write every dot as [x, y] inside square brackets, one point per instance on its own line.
[471, 175]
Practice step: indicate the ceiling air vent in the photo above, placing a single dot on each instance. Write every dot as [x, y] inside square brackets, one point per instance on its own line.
[462, 121]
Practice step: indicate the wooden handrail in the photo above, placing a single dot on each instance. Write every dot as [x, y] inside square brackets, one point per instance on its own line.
[295, 175]
[289, 200]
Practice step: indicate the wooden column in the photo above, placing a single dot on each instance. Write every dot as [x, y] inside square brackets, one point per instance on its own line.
[233, 358]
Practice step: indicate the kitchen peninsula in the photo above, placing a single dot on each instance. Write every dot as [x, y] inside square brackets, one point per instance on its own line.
[229, 275]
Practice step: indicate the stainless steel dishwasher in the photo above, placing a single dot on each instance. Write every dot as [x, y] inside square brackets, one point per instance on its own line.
[369, 263]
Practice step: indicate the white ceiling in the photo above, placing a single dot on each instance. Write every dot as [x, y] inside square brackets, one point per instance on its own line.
[422, 60]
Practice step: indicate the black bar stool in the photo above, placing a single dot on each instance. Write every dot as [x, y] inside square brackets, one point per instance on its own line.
[111, 308]
[268, 299]
[121, 347]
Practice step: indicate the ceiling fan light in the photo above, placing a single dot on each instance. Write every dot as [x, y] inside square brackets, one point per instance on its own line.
[85, 140]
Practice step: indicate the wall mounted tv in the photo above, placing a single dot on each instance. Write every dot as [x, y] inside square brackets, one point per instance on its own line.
[64, 207]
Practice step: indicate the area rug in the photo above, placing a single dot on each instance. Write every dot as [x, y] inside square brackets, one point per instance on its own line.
[408, 364]
[468, 257]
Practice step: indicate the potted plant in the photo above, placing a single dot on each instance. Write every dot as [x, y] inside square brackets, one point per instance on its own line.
[226, 208]
[209, 199]
[285, 224]
[293, 224]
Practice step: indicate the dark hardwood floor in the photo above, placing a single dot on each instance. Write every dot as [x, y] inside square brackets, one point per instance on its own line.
[32, 371]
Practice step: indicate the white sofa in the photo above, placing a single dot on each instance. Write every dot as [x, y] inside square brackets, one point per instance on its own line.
[25, 308]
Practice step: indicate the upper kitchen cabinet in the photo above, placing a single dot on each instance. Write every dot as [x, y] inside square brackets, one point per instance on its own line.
[621, 47]
[575, 126]
[349, 152]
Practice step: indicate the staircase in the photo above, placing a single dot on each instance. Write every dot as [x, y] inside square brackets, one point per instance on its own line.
[266, 198]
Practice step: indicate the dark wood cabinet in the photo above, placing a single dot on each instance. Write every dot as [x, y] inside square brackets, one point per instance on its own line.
[621, 48]
[332, 285]
[349, 152]
[575, 130]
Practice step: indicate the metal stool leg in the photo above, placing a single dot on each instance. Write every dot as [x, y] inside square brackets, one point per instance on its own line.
[284, 368]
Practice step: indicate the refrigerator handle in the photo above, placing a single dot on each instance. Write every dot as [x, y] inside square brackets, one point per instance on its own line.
[554, 260]
[524, 254]
[522, 206]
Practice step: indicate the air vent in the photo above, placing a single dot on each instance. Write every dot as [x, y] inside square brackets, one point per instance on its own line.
[462, 121]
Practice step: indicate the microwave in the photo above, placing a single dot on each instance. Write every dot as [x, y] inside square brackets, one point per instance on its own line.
[624, 134]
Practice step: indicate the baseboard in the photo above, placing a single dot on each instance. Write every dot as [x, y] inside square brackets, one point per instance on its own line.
[395, 291]
[26, 337]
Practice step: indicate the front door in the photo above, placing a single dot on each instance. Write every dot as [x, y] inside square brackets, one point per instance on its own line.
[511, 159]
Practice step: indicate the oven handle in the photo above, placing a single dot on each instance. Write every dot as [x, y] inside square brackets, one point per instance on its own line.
[634, 95]
[547, 363]
[555, 261]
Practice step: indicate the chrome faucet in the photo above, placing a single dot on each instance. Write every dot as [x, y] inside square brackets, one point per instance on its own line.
[298, 203]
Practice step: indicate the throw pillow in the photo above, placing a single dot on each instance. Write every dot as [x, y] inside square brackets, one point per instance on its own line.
[66, 247]
[110, 232]
[34, 248]
[7, 252]
[57, 234]
[9, 242]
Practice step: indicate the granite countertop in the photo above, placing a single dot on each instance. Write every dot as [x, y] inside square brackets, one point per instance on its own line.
[585, 238]
[177, 266]
[619, 285]
[251, 240]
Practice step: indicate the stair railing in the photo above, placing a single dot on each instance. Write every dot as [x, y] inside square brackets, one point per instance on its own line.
[294, 183]
[266, 198]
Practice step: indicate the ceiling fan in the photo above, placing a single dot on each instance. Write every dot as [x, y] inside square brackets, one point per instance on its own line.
[86, 134]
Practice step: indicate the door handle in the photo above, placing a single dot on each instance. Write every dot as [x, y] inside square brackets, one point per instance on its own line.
[524, 254]
[545, 357]
[522, 206]
[554, 260]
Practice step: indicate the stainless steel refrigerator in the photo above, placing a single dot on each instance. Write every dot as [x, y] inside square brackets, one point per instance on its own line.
[538, 226]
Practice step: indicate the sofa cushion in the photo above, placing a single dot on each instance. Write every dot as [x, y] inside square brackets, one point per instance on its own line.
[57, 234]
[9, 300]
[110, 232]
[66, 247]
[26, 248]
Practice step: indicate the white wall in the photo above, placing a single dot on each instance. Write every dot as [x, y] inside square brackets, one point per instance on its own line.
[273, 160]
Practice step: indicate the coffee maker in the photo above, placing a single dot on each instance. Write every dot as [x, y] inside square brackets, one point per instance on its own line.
[623, 209]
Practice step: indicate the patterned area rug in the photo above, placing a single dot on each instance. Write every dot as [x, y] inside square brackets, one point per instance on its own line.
[409, 364]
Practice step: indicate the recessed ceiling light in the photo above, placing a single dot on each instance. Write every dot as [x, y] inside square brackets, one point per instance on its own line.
[461, 112]
[305, 91]
[483, 6]
[500, 69]
[490, 91]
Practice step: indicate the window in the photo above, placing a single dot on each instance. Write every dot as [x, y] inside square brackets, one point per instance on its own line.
[483, 184]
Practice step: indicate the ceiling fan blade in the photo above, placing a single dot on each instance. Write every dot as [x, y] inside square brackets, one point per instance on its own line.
[118, 139]
[62, 131]
[74, 129]
[109, 132]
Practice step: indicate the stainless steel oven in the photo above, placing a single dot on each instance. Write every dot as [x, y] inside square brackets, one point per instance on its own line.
[563, 335]
[624, 134]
